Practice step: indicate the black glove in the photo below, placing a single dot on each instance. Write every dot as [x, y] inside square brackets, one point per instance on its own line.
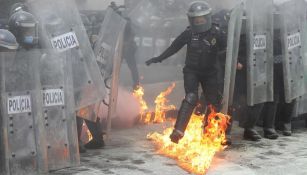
[176, 136]
[153, 60]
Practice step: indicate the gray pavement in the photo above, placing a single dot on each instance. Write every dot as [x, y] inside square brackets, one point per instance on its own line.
[129, 152]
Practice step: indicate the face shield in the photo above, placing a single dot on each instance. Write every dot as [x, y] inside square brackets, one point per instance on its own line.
[200, 24]
[29, 33]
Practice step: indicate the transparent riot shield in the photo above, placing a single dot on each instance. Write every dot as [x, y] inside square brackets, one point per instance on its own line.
[105, 47]
[259, 51]
[293, 31]
[108, 51]
[233, 41]
[302, 103]
[23, 142]
[87, 80]
[55, 70]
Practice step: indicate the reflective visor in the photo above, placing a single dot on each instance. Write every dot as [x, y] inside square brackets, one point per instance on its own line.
[199, 20]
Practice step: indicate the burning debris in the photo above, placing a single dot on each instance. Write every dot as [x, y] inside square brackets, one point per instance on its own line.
[198, 147]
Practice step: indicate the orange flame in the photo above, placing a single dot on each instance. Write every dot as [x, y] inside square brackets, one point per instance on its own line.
[196, 149]
[144, 115]
[161, 106]
[89, 135]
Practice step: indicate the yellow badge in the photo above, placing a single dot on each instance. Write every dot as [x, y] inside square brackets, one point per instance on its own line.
[213, 41]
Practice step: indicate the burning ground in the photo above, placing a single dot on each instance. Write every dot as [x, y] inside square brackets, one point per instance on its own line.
[129, 152]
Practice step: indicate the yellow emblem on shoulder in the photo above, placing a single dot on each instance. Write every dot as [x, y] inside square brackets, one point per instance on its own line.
[213, 41]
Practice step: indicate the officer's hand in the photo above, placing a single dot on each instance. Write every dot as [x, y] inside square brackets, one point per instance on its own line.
[153, 60]
[176, 136]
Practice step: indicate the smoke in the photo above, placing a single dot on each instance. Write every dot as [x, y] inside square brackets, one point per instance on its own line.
[96, 4]
[127, 110]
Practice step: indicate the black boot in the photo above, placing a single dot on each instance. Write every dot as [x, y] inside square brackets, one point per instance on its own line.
[184, 115]
[286, 118]
[269, 120]
[251, 134]
[285, 128]
[253, 113]
[228, 141]
[96, 131]
[270, 133]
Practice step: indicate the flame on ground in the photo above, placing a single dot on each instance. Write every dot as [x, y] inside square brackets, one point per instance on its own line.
[197, 148]
[161, 105]
[144, 115]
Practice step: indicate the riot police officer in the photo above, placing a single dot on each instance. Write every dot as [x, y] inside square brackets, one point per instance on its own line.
[203, 43]
[25, 27]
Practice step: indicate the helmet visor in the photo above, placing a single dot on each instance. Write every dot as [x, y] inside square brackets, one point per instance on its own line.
[199, 20]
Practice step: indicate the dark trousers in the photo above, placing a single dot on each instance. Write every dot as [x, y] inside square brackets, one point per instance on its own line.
[280, 109]
[191, 83]
[131, 62]
[209, 86]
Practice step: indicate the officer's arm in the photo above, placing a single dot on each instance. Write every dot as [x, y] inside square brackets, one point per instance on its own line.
[176, 45]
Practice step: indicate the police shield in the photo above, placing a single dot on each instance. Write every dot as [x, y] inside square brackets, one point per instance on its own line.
[293, 34]
[233, 40]
[259, 34]
[23, 143]
[108, 51]
[87, 80]
[58, 109]
[105, 47]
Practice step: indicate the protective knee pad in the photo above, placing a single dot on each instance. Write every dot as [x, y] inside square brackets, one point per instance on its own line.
[191, 98]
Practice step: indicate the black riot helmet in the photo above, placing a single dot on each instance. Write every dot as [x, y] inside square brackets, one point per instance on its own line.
[25, 27]
[7, 40]
[17, 7]
[199, 15]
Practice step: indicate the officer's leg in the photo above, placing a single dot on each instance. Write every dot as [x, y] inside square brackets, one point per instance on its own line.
[286, 117]
[286, 109]
[269, 120]
[211, 94]
[253, 113]
[97, 141]
[79, 131]
[213, 97]
[131, 62]
[187, 106]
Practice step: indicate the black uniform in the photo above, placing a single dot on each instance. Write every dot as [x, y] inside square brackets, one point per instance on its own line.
[279, 108]
[200, 68]
[201, 61]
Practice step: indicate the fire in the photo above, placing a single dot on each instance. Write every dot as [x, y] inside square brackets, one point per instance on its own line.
[89, 135]
[144, 115]
[196, 149]
[161, 105]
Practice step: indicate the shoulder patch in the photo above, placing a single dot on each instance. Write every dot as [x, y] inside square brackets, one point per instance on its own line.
[213, 41]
